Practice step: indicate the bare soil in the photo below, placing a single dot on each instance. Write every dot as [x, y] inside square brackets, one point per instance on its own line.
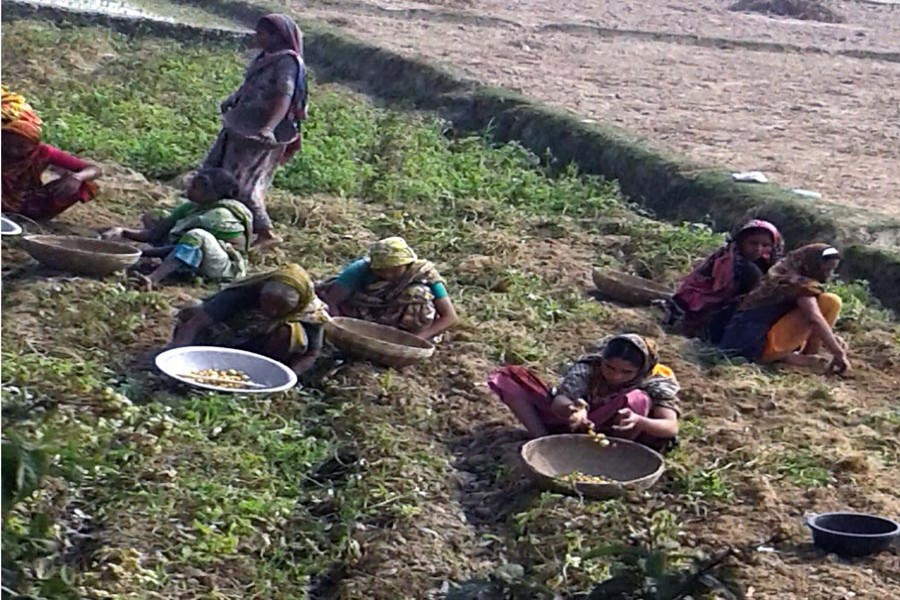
[815, 121]
[748, 424]
[746, 421]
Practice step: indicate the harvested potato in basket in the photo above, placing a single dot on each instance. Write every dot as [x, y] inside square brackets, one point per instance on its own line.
[579, 477]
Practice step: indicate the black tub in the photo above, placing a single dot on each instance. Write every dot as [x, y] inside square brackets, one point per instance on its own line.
[852, 534]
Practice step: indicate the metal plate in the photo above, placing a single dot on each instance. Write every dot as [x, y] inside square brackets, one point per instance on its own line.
[9, 227]
[178, 362]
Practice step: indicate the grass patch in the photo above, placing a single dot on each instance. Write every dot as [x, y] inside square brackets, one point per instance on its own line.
[182, 494]
[804, 469]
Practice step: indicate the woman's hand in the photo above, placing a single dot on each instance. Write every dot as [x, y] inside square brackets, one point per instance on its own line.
[628, 421]
[226, 104]
[840, 364]
[267, 134]
[578, 416]
[67, 185]
[112, 233]
[143, 283]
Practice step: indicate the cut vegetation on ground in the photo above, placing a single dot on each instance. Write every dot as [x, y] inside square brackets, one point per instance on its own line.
[373, 483]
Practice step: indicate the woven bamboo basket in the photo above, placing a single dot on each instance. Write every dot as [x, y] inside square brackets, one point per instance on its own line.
[628, 289]
[626, 464]
[378, 343]
[80, 255]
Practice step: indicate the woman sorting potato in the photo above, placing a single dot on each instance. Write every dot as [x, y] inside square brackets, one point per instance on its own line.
[275, 314]
[392, 286]
[620, 389]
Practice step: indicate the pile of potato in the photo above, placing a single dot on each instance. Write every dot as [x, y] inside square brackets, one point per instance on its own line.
[599, 438]
[579, 477]
[226, 378]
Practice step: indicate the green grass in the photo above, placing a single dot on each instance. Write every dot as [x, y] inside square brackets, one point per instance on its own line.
[251, 498]
[804, 468]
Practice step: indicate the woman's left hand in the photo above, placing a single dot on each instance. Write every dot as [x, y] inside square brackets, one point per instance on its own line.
[267, 135]
[628, 420]
[143, 283]
[67, 185]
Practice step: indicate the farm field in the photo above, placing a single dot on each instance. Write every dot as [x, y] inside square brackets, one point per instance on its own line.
[371, 483]
[821, 122]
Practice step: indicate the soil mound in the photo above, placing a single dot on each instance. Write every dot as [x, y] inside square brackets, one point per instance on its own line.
[807, 10]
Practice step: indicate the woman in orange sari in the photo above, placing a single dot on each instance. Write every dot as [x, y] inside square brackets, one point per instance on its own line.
[25, 159]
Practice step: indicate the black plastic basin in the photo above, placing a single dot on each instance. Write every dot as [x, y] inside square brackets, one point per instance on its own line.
[852, 534]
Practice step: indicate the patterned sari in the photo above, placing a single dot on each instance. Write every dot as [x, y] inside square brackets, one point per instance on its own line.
[407, 303]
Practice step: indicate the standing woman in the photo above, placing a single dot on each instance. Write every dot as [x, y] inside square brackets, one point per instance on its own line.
[261, 120]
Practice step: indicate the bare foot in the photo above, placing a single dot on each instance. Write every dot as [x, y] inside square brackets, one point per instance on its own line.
[806, 361]
[266, 240]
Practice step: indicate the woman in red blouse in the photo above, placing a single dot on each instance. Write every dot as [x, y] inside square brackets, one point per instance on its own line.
[25, 159]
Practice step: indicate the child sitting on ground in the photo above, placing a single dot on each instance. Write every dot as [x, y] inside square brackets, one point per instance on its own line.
[621, 390]
[209, 235]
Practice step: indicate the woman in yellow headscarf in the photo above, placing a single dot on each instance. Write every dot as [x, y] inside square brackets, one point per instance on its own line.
[393, 287]
[276, 314]
[25, 159]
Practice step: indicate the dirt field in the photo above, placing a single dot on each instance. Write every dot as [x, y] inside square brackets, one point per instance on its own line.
[814, 121]
[381, 484]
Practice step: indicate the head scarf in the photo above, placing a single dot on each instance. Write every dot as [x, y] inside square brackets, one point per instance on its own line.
[796, 276]
[21, 173]
[309, 308]
[293, 39]
[777, 240]
[657, 380]
[714, 280]
[287, 29]
[391, 252]
[19, 117]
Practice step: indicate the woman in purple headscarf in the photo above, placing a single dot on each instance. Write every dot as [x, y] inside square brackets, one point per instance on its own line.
[706, 299]
[261, 120]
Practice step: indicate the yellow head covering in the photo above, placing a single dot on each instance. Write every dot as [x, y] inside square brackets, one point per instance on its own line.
[19, 117]
[309, 309]
[391, 252]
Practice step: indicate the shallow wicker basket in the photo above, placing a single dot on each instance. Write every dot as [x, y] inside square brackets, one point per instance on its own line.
[627, 464]
[378, 343]
[80, 255]
[629, 289]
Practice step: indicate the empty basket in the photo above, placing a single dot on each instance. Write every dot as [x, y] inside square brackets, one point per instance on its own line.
[378, 343]
[628, 289]
[80, 255]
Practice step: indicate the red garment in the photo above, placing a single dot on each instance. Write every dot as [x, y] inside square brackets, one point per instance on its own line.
[713, 281]
[514, 384]
[24, 193]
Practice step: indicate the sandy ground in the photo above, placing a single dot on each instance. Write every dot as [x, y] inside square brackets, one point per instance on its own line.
[822, 122]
